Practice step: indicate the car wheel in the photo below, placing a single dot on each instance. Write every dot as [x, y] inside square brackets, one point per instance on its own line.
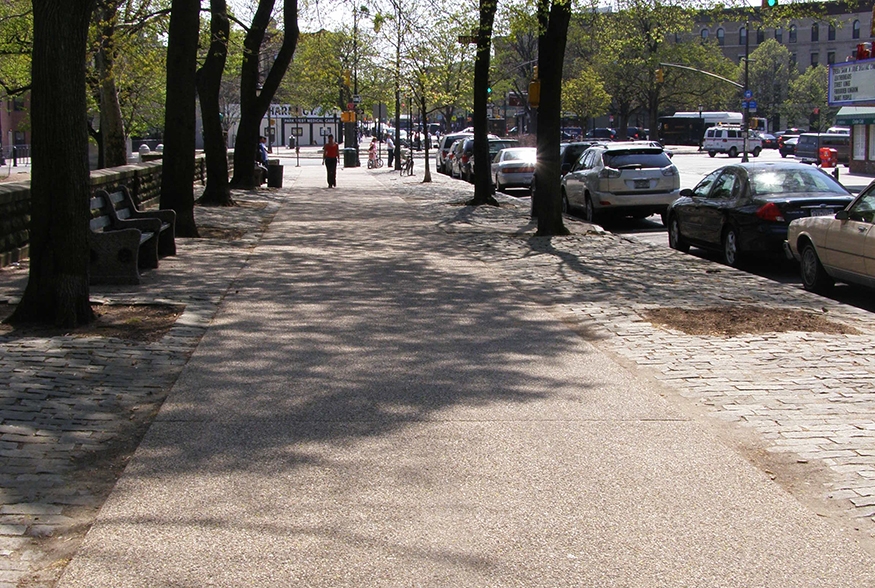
[589, 210]
[784, 155]
[498, 186]
[675, 239]
[712, 153]
[814, 277]
[733, 152]
[566, 208]
[731, 254]
[663, 217]
[756, 151]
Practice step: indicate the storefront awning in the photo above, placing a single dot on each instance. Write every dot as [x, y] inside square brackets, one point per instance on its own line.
[855, 115]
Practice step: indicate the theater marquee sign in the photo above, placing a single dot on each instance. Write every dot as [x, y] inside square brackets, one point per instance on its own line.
[852, 83]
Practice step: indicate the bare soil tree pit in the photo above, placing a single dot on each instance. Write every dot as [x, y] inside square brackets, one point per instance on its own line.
[135, 322]
[732, 321]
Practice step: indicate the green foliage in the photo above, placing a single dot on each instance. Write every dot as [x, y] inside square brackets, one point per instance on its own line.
[769, 76]
[16, 38]
[585, 94]
[314, 76]
[807, 93]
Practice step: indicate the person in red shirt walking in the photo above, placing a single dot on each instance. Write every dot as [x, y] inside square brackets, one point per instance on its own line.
[330, 153]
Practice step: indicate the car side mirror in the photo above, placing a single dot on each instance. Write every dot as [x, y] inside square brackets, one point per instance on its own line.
[686, 192]
[566, 167]
[842, 215]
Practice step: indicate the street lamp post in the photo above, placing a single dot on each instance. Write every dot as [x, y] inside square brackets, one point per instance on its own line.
[746, 126]
[701, 127]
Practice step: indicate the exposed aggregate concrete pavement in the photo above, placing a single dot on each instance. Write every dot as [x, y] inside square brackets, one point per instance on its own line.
[807, 396]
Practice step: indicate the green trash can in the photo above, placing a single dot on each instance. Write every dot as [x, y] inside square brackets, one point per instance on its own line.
[350, 157]
[274, 175]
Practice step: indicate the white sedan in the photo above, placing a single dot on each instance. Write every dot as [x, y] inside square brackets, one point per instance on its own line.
[514, 167]
[839, 247]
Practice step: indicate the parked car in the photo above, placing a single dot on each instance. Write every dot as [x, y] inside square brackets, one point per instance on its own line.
[836, 247]
[496, 144]
[514, 167]
[569, 153]
[635, 134]
[787, 145]
[621, 179]
[808, 146]
[440, 161]
[729, 139]
[839, 130]
[746, 208]
[602, 133]
[451, 156]
[769, 141]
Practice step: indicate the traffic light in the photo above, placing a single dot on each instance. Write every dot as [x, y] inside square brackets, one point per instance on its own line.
[489, 91]
[770, 3]
[660, 76]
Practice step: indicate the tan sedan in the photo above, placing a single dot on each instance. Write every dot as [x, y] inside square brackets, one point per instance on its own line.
[836, 248]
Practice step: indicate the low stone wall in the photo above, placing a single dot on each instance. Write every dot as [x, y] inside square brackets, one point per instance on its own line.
[142, 179]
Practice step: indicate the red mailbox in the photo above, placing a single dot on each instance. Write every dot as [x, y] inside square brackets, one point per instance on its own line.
[828, 157]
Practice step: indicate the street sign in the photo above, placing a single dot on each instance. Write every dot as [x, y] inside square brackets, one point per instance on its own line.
[748, 94]
[356, 99]
[744, 104]
[350, 105]
[752, 105]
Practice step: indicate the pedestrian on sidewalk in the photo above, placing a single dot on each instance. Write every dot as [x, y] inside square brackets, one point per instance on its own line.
[330, 154]
[261, 161]
[390, 149]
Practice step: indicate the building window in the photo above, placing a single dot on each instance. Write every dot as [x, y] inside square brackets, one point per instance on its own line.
[831, 57]
[831, 33]
[856, 31]
[871, 142]
[761, 35]
[793, 59]
[677, 37]
[779, 35]
[815, 32]
[742, 36]
[704, 34]
[17, 104]
[791, 34]
[815, 59]
[859, 138]
[720, 35]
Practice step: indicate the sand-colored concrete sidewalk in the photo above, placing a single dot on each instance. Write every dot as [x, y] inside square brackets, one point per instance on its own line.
[373, 406]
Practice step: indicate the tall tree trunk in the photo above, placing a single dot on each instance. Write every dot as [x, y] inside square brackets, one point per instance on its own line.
[112, 126]
[254, 103]
[57, 288]
[547, 199]
[177, 172]
[209, 81]
[482, 179]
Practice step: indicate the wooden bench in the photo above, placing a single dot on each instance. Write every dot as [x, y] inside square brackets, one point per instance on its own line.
[124, 239]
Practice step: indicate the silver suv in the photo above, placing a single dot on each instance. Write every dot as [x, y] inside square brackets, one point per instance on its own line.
[621, 179]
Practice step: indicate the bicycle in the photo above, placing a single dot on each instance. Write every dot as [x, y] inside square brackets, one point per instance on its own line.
[407, 164]
[374, 162]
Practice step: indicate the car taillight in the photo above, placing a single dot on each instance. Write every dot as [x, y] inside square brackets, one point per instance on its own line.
[770, 212]
[465, 158]
[670, 171]
[609, 173]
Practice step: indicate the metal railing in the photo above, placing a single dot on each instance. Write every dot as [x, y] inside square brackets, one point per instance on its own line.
[15, 155]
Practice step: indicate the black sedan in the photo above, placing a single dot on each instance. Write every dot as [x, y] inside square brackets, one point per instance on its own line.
[746, 208]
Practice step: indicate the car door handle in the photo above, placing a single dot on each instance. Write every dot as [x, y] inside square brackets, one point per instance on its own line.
[862, 229]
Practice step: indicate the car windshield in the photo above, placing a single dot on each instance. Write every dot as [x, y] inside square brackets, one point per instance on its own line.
[636, 159]
[496, 146]
[770, 182]
[522, 154]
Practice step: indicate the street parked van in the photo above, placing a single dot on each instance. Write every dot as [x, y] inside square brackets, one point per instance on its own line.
[729, 139]
[809, 144]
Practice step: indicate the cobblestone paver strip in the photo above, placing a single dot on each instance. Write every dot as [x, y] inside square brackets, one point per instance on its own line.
[69, 403]
[808, 395]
